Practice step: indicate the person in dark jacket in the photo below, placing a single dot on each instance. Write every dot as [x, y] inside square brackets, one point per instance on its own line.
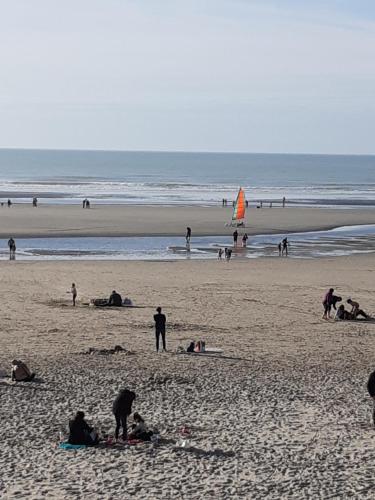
[115, 299]
[80, 432]
[371, 391]
[327, 303]
[160, 321]
[122, 408]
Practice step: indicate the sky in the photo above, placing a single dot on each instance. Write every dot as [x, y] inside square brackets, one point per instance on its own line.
[269, 76]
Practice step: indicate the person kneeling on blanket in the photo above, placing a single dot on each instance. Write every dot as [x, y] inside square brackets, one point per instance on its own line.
[80, 432]
[139, 429]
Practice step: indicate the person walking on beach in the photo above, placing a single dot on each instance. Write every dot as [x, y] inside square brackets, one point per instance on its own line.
[74, 293]
[244, 240]
[327, 303]
[84, 203]
[160, 321]
[12, 249]
[235, 238]
[284, 200]
[9, 203]
[35, 202]
[220, 254]
[279, 247]
[122, 408]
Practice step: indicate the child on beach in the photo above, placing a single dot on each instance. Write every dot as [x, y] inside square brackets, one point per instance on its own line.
[327, 303]
[139, 429]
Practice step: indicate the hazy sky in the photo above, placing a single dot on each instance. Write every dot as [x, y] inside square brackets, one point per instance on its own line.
[192, 75]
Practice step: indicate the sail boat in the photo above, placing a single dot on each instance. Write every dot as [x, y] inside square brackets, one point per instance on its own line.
[238, 216]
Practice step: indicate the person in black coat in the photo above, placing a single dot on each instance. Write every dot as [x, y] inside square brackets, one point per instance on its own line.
[160, 321]
[115, 299]
[80, 432]
[122, 408]
[371, 391]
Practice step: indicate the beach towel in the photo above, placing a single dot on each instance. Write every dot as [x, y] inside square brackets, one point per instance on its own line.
[67, 446]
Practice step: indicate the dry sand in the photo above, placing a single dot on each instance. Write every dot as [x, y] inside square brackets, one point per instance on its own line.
[124, 220]
[283, 413]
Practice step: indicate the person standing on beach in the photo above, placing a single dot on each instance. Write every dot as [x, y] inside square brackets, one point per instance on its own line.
[235, 237]
[122, 408]
[160, 321]
[285, 247]
[188, 234]
[327, 303]
[74, 293]
[244, 240]
[220, 254]
[12, 248]
[279, 247]
[9, 203]
[284, 200]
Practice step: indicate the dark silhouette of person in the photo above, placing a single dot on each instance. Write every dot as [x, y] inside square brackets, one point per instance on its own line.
[235, 237]
[115, 299]
[160, 321]
[80, 432]
[122, 408]
[284, 200]
[188, 234]
[285, 247]
[371, 391]
[9, 203]
[12, 248]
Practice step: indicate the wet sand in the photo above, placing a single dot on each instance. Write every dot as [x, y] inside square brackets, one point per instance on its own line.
[283, 413]
[124, 220]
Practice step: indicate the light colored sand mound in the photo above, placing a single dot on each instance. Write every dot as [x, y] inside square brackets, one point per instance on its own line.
[282, 413]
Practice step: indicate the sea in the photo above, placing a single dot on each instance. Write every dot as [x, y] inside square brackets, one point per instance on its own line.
[162, 178]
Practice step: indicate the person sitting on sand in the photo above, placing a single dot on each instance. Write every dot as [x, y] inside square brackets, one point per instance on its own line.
[327, 303]
[342, 314]
[139, 429]
[122, 408]
[21, 372]
[80, 432]
[356, 311]
[115, 299]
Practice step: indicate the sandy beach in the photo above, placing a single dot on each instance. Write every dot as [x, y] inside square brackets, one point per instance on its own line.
[283, 413]
[125, 220]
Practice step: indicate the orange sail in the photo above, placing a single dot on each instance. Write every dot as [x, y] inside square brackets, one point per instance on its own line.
[239, 207]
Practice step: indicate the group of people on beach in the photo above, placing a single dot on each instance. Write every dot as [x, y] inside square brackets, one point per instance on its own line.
[283, 247]
[330, 301]
[82, 434]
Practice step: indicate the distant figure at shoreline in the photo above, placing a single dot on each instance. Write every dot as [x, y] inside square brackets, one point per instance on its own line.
[188, 234]
[285, 247]
[160, 321]
[235, 238]
[9, 202]
[74, 293]
[220, 254]
[244, 240]
[35, 202]
[284, 200]
[12, 249]
[279, 247]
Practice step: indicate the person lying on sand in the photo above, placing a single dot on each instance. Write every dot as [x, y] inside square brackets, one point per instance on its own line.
[356, 311]
[21, 372]
[139, 429]
[342, 314]
[80, 432]
[115, 299]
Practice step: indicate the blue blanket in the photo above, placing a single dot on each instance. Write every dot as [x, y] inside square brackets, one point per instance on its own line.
[68, 446]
